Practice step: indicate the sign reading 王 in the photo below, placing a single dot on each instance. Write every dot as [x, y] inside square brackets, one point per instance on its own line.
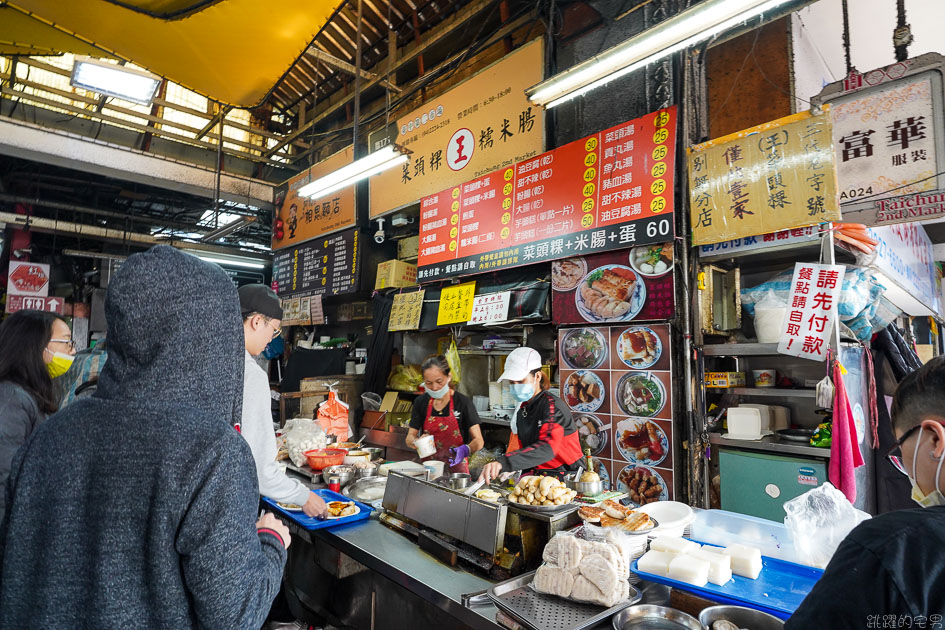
[611, 190]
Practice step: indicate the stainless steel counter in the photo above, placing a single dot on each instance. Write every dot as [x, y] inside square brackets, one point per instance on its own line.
[771, 444]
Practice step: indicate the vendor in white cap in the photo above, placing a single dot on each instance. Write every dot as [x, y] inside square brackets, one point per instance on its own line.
[545, 439]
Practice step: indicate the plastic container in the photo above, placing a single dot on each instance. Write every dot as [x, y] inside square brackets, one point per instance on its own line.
[744, 422]
[320, 458]
[764, 378]
[722, 528]
[768, 323]
[353, 457]
[425, 446]
[674, 517]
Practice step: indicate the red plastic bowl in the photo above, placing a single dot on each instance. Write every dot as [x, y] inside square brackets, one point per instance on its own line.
[320, 458]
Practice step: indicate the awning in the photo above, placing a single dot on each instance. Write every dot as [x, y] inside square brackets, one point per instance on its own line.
[232, 51]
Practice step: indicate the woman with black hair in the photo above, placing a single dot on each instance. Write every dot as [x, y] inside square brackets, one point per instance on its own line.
[447, 415]
[35, 347]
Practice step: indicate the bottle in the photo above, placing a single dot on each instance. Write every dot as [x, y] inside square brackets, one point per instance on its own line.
[588, 460]
[334, 484]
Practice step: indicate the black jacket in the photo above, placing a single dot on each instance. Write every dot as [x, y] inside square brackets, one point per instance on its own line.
[19, 416]
[136, 507]
[550, 441]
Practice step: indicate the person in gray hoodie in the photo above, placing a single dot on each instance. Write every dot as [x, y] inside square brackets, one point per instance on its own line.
[136, 507]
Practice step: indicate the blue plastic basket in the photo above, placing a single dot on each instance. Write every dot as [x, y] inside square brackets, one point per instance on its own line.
[312, 523]
[778, 591]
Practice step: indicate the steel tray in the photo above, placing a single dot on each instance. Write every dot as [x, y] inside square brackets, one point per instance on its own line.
[536, 610]
[546, 509]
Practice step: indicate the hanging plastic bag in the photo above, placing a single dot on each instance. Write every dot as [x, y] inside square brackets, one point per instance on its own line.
[333, 416]
[819, 520]
[452, 357]
[769, 314]
[303, 434]
[824, 393]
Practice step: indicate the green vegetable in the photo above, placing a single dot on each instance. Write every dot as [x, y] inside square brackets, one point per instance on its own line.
[653, 255]
[594, 277]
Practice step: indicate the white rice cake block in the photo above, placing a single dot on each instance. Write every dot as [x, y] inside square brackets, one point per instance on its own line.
[673, 544]
[720, 565]
[655, 562]
[689, 569]
[746, 561]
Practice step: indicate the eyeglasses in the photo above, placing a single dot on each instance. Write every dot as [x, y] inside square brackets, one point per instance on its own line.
[71, 342]
[894, 455]
[277, 333]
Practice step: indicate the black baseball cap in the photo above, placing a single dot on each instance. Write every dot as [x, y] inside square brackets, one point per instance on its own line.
[258, 298]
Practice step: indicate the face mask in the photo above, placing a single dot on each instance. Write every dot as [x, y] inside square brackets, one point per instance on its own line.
[60, 364]
[926, 500]
[522, 392]
[439, 393]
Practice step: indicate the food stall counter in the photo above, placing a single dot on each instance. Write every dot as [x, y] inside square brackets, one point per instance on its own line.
[771, 444]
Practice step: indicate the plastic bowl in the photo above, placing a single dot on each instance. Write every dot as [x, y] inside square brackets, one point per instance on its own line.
[357, 456]
[741, 617]
[320, 458]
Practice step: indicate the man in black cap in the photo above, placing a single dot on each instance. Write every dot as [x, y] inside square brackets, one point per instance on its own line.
[262, 318]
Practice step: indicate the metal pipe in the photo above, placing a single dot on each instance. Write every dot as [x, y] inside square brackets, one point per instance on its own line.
[357, 85]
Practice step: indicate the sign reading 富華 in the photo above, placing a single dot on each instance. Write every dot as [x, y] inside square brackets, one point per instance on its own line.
[611, 190]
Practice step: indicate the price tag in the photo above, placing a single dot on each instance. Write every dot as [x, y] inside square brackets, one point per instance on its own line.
[456, 304]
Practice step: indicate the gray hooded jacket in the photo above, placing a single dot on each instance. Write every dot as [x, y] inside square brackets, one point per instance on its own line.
[136, 507]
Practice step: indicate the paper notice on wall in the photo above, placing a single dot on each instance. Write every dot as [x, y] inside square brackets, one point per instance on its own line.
[316, 310]
[812, 310]
[491, 308]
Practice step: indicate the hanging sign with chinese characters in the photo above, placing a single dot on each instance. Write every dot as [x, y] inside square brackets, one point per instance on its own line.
[324, 266]
[612, 190]
[482, 124]
[300, 219]
[456, 304]
[775, 176]
[406, 310]
[316, 310]
[297, 312]
[812, 310]
[491, 308]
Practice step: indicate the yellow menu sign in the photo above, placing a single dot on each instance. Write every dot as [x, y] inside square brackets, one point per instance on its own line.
[405, 313]
[456, 304]
[772, 177]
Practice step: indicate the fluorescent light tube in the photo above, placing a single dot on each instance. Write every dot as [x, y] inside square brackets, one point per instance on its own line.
[237, 262]
[129, 84]
[372, 164]
[672, 35]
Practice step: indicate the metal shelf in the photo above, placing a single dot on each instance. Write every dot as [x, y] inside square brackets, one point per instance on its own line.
[765, 391]
[479, 352]
[740, 349]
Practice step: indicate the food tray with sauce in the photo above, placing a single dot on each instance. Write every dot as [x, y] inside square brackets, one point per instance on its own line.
[536, 610]
[778, 591]
[311, 523]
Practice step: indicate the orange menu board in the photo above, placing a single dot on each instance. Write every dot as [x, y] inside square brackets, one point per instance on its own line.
[612, 190]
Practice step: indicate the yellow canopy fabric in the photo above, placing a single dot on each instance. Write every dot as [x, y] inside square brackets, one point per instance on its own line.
[232, 51]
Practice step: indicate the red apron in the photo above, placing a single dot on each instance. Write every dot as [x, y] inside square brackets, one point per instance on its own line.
[446, 435]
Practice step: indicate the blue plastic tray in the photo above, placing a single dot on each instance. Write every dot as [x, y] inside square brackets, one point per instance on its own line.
[311, 523]
[778, 591]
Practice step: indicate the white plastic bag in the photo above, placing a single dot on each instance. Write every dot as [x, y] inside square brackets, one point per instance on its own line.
[303, 434]
[819, 520]
[769, 315]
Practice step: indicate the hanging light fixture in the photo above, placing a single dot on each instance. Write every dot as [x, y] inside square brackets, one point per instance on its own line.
[372, 164]
[681, 31]
[100, 76]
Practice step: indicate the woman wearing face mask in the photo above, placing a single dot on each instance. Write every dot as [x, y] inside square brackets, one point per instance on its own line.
[544, 436]
[35, 347]
[448, 416]
[892, 565]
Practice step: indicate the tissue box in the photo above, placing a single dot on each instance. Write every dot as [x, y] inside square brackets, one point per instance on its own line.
[725, 379]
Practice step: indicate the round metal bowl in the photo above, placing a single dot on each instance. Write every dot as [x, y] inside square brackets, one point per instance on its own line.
[367, 471]
[587, 488]
[345, 473]
[649, 616]
[741, 617]
[459, 481]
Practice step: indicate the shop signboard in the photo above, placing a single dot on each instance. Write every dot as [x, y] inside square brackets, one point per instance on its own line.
[772, 177]
[491, 308]
[300, 219]
[26, 278]
[406, 310]
[617, 286]
[807, 234]
[617, 382]
[905, 257]
[611, 190]
[323, 266]
[924, 206]
[456, 304]
[484, 123]
[812, 310]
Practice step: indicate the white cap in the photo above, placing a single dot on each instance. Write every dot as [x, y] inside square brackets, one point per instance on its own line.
[520, 363]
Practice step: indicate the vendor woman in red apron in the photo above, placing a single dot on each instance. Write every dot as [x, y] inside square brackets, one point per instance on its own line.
[447, 415]
[545, 439]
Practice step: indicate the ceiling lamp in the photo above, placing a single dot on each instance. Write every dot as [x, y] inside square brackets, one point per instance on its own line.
[672, 35]
[110, 79]
[372, 164]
